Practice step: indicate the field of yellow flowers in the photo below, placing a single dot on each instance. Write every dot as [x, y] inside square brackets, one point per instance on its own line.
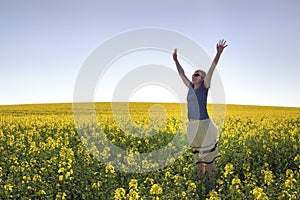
[42, 156]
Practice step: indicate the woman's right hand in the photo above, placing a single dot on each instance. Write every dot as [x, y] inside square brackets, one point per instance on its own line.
[175, 55]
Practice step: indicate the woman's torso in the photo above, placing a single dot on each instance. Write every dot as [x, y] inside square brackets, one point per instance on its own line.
[197, 102]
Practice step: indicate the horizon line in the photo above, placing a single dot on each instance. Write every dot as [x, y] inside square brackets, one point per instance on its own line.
[154, 102]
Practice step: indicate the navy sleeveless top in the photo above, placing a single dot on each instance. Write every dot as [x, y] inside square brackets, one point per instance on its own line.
[197, 102]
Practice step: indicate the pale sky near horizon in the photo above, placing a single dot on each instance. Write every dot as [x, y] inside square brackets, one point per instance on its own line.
[44, 44]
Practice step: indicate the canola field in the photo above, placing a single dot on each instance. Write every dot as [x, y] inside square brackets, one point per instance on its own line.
[45, 153]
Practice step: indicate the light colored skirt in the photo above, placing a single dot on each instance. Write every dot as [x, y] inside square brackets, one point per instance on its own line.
[203, 137]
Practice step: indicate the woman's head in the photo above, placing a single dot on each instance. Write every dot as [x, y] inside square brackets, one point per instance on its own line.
[198, 76]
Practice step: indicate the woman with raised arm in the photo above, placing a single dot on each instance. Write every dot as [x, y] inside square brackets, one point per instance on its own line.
[202, 134]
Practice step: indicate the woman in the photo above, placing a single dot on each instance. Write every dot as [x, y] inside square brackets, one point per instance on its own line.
[202, 134]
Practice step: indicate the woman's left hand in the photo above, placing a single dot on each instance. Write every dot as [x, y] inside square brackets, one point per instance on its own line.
[221, 46]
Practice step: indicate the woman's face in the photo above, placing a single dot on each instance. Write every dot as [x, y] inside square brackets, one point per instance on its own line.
[197, 78]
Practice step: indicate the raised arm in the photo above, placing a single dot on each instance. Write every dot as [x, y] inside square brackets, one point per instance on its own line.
[181, 73]
[220, 47]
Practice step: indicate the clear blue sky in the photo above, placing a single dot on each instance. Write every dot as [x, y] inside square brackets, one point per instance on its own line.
[43, 44]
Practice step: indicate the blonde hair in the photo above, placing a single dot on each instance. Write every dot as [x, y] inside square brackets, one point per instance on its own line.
[203, 73]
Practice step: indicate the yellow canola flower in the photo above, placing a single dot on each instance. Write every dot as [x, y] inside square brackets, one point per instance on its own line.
[268, 177]
[96, 185]
[61, 170]
[289, 173]
[61, 195]
[133, 194]
[297, 158]
[61, 177]
[156, 189]
[192, 186]
[120, 193]
[109, 169]
[27, 178]
[167, 174]
[69, 173]
[289, 183]
[37, 177]
[41, 192]
[213, 195]
[259, 194]
[8, 187]
[183, 193]
[150, 180]
[228, 169]
[235, 181]
[133, 184]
